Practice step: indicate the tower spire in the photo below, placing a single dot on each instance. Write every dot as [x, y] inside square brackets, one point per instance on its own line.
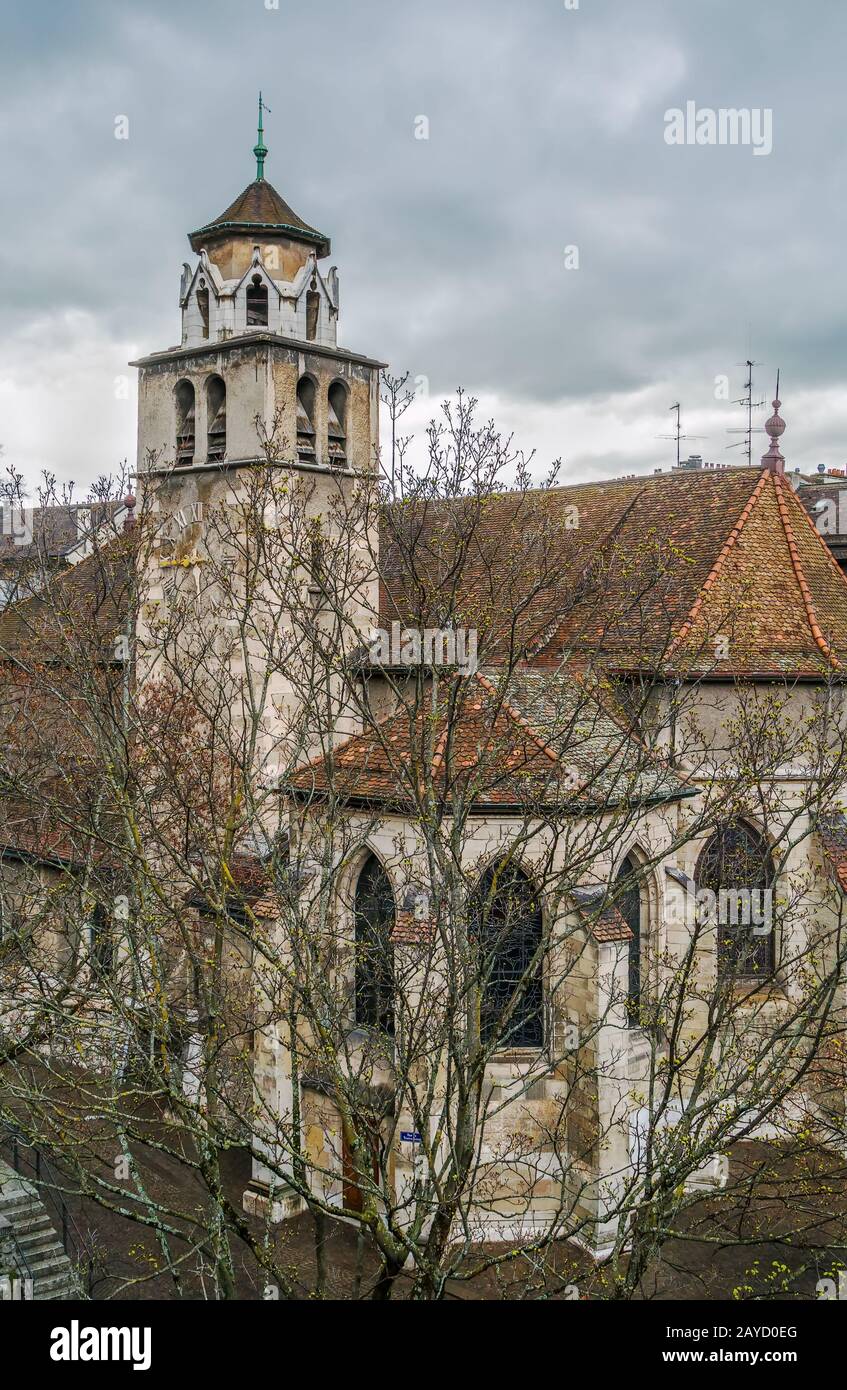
[260, 149]
[774, 428]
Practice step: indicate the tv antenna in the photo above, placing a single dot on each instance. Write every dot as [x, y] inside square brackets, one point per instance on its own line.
[750, 405]
[677, 434]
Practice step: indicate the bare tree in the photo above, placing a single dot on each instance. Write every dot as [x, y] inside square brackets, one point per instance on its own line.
[350, 820]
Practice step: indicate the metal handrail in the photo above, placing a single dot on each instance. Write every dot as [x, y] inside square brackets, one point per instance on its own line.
[74, 1243]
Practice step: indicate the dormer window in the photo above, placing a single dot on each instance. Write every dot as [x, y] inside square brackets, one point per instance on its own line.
[185, 417]
[257, 303]
[216, 417]
[306, 449]
[203, 308]
[337, 424]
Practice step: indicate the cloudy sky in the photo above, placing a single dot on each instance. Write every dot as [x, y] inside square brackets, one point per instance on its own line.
[546, 124]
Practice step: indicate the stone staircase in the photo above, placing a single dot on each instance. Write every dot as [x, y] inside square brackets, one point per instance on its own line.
[30, 1234]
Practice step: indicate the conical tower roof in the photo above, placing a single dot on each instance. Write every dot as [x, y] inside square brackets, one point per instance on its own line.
[259, 209]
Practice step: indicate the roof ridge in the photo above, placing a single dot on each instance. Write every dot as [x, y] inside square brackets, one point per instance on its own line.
[518, 718]
[595, 692]
[832, 560]
[641, 480]
[438, 751]
[802, 582]
[714, 573]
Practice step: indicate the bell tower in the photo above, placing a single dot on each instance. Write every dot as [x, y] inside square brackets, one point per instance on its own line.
[259, 338]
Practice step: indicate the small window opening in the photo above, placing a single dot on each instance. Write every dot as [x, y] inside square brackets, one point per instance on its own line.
[101, 942]
[203, 307]
[313, 310]
[257, 303]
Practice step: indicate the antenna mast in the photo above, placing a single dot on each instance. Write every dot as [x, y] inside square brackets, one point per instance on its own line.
[750, 405]
[677, 434]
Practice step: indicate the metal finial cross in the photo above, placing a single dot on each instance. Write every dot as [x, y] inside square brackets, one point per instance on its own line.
[260, 149]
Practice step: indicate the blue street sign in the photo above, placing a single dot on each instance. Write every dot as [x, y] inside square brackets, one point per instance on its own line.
[409, 1136]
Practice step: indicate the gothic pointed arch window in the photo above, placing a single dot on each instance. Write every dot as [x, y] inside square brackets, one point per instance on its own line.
[631, 904]
[203, 307]
[737, 867]
[374, 925]
[257, 303]
[313, 309]
[185, 424]
[101, 943]
[506, 921]
[216, 419]
[306, 437]
[336, 426]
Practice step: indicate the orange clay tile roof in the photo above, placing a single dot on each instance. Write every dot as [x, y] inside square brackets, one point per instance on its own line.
[650, 572]
[545, 741]
[23, 831]
[603, 919]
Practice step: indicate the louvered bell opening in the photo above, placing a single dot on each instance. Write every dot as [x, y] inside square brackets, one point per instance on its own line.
[217, 437]
[336, 438]
[305, 435]
[185, 441]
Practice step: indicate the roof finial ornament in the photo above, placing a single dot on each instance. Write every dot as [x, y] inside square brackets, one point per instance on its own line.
[774, 428]
[260, 149]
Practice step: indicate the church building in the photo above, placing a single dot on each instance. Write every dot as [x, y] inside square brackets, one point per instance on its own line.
[551, 847]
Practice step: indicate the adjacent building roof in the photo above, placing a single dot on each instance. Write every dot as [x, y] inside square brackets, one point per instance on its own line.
[260, 209]
[822, 498]
[49, 532]
[78, 608]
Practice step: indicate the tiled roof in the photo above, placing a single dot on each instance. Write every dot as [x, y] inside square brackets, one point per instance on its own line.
[47, 847]
[544, 742]
[260, 208]
[32, 830]
[814, 493]
[87, 603]
[55, 529]
[603, 919]
[656, 570]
